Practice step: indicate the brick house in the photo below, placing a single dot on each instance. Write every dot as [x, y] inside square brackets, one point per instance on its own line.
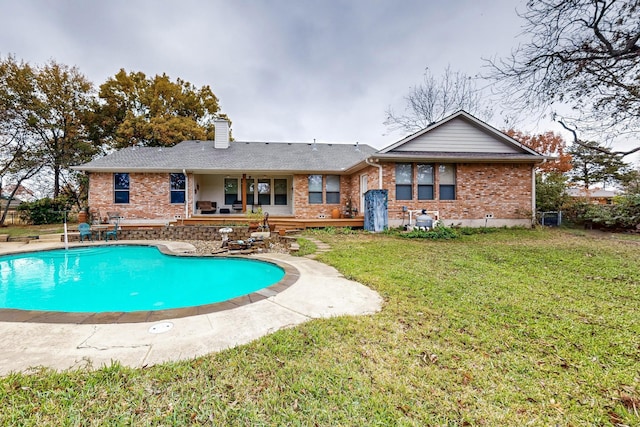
[460, 167]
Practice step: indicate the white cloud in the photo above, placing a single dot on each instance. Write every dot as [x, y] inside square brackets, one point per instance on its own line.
[288, 70]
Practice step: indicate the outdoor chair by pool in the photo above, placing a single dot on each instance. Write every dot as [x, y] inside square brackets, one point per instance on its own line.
[85, 231]
[112, 233]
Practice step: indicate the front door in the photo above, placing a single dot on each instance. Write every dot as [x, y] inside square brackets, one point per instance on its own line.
[363, 189]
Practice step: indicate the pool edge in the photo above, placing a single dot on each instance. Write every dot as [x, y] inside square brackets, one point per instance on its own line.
[291, 276]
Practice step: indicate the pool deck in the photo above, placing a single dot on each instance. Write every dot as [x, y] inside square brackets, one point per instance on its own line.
[320, 292]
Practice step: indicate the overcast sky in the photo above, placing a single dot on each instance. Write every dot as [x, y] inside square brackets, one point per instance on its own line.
[283, 70]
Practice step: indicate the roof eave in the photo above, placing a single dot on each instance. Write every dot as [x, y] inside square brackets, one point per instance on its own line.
[460, 159]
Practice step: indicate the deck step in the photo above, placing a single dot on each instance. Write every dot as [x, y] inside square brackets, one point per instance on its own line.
[48, 238]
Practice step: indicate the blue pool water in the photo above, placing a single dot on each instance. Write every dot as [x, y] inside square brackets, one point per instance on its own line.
[125, 279]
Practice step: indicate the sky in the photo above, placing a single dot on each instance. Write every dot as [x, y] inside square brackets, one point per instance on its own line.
[283, 70]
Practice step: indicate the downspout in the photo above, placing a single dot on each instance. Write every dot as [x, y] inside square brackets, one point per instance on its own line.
[533, 196]
[379, 172]
[186, 194]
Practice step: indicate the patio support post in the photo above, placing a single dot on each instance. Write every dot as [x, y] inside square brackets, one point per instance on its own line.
[244, 192]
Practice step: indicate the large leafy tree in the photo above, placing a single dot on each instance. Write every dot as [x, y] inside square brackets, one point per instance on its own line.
[19, 161]
[584, 54]
[551, 181]
[591, 166]
[45, 108]
[154, 111]
[547, 143]
[437, 97]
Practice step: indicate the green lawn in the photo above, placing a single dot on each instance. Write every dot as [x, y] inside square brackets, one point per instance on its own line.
[33, 230]
[516, 327]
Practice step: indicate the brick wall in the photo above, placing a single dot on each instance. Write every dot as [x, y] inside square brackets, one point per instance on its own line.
[503, 190]
[149, 196]
[349, 188]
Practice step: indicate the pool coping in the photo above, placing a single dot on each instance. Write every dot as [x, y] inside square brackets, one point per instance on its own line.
[291, 276]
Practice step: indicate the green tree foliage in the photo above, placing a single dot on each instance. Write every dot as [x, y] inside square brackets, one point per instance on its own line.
[44, 211]
[592, 166]
[631, 182]
[154, 111]
[46, 108]
[551, 191]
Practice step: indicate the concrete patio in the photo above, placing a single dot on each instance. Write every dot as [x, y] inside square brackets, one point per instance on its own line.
[320, 292]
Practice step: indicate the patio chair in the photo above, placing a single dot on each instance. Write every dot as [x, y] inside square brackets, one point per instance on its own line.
[85, 231]
[237, 205]
[112, 233]
[206, 207]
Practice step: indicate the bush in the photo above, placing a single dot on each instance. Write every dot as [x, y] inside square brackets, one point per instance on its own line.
[43, 211]
[623, 213]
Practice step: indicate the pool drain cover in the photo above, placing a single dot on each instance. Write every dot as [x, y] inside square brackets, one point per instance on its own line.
[161, 328]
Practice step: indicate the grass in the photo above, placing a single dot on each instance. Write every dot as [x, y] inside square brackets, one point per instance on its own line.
[32, 230]
[516, 327]
[306, 247]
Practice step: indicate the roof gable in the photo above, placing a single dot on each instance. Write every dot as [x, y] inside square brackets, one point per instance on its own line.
[458, 133]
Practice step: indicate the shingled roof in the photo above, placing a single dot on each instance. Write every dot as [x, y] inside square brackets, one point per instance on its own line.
[201, 156]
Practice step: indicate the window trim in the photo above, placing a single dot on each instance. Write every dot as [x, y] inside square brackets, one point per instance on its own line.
[404, 186]
[121, 191]
[315, 193]
[235, 195]
[333, 194]
[176, 191]
[448, 185]
[426, 186]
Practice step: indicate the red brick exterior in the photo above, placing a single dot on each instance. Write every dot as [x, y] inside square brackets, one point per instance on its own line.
[149, 196]
[502, 190]
[349, 189]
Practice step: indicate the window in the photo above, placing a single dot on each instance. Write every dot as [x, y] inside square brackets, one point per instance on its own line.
[230, 190]
[425, 182]
[177, 184]
[332, 188]
[315, 189]
[264, 191]
[447, 178]
[404, 179]
[280, 190]
[121, 188]
[250, 190]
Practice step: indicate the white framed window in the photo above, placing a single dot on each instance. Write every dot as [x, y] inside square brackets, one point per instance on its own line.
[332, 189]
[177, 187]
[315, 189]
[447, 181]
[425, 181]
[121, 188]
[404, 181]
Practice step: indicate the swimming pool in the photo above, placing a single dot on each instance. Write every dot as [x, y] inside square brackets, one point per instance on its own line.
[126, 279]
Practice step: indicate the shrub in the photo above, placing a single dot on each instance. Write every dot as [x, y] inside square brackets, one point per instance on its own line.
[623, 213]
[43, 211]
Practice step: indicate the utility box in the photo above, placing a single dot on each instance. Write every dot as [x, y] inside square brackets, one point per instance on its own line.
[376, 215]
[551, 219]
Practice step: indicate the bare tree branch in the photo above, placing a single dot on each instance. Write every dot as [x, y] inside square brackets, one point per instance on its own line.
[581, 53]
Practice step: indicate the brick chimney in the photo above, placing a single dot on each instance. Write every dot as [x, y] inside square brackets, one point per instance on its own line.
[221, 133]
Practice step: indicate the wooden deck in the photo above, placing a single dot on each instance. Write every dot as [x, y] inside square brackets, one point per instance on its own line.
[275, 222]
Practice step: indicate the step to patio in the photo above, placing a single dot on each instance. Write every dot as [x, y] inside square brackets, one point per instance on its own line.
[321, 247]
[48, 238]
